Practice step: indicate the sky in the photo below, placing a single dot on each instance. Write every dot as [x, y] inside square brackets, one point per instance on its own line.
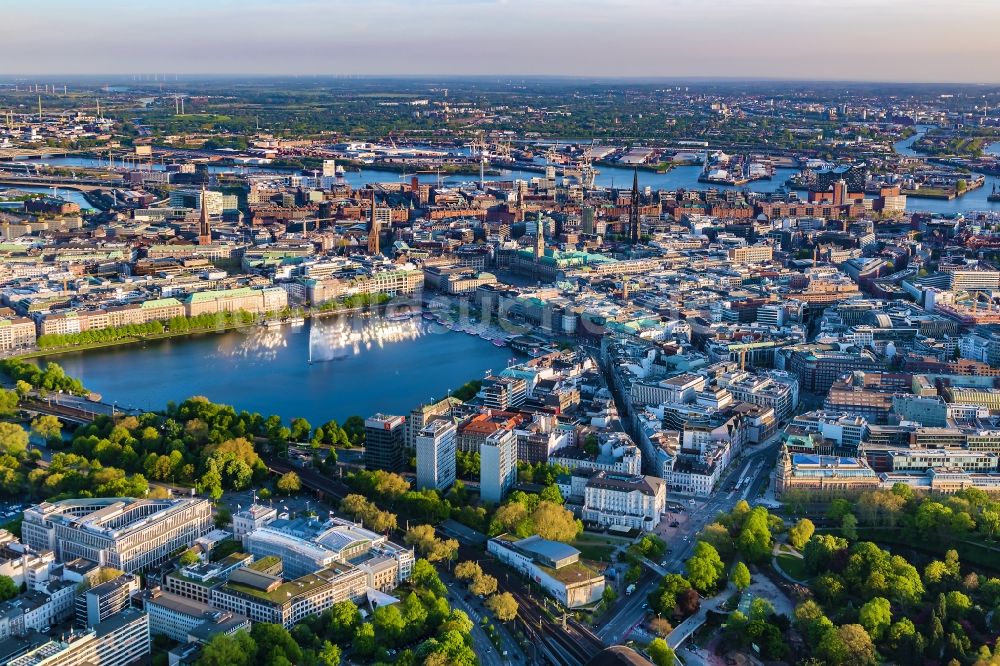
[880, 40]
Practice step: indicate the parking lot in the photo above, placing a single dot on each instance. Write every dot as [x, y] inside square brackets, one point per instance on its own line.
[11, 510]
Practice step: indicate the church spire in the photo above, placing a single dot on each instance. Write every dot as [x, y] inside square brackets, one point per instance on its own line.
[374, 230]
[539, 238]
[633, 213]
[204, 229]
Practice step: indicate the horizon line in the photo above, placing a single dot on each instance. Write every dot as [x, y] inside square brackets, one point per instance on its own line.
[166, 77]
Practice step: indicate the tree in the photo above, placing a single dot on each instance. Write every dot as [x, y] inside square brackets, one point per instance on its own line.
[718, 535]
[659, 627]
[503, 605]
[800, 533]
[8, 590]
[344, 618]
[608, 596]
[238, 649]
[858, 643]
[849, 527]
[483, 585]
[838, 509]
[13, 440]
[554, 522]
[876, 616]
[425, 575]
[300, 429]
[665, 599]
[8, 402]
[740, 576]
[187, 558]
[704, 568]
[274, 643]
[468, 570]
[22, 388]
[289, 483]
[210, 482]
[424, 539]
[760, 610]
[754, 540]
[820, 549]
[47, 427]
[329, 654]
[364, 643]
[660, 652]
[550, 493]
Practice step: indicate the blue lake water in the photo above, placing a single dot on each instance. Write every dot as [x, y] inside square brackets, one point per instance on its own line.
[377, 367]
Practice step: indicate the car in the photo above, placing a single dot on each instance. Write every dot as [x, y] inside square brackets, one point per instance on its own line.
[675, 524]
[691, 502]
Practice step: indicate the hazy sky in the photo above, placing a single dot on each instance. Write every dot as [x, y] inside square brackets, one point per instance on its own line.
[906, 40]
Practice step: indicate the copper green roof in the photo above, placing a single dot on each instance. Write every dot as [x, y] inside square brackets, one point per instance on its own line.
[160, 303]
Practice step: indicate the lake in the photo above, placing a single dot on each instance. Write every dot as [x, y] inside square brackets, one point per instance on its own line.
[366, 366]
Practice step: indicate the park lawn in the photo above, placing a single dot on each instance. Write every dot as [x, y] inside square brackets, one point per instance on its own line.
[793, 566]
[593, 548]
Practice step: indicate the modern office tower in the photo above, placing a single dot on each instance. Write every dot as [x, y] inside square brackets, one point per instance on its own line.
[121, 532]
[587, 219]
[384, 442]
[436, 446]
[121, 639]
[424, 414]
[497, 465]
[105, 600]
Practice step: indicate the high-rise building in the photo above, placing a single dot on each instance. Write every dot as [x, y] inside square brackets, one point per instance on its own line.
[497, 465]
[105, 600]
[424, 414]
[384, 442]
[121, 532]
[436, 446]
[587, 219]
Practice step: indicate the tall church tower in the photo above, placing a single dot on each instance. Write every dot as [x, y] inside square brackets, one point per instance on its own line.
[204, 228]
[373, 231]
[633, 213]
[539, 238]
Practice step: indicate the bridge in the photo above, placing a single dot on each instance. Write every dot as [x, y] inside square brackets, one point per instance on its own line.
[27, 153]
[82, 184]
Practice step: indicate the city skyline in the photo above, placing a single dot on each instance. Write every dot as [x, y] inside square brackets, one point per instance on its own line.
[884, 40]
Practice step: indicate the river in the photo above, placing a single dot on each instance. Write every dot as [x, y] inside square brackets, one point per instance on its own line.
[685, 176]
[66, 195]
[974, 200]
[370, 366]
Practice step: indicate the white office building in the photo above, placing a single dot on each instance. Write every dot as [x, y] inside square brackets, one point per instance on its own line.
[436, 446]
[497, 465]
[121, 532]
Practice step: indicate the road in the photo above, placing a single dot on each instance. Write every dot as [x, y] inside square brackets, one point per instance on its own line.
[488, 654]
[756, 463]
